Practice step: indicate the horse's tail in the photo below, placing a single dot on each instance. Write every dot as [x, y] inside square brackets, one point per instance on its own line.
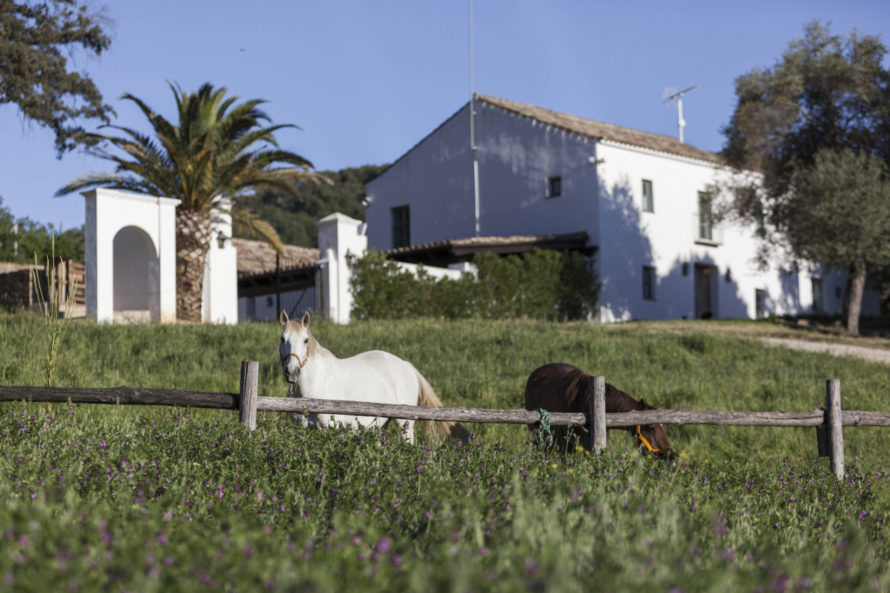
[437, 428]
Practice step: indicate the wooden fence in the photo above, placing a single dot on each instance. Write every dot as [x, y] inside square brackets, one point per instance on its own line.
[74, 279]
[18, 287]
[829, 422]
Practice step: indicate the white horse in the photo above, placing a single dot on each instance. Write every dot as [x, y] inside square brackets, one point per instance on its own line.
[374, 376]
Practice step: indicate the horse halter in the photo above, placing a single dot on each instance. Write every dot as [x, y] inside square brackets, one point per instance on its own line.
[639, 436]
[297, 356]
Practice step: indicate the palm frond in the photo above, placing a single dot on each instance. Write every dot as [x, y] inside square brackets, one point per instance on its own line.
[97, 180]
[220, 146]
[246, 221]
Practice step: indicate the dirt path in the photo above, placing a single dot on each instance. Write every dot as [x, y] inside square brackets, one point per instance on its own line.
[872, 354]
[799, 336]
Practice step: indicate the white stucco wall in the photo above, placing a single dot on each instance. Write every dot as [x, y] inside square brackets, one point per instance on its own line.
[219, 302]
[340, 238]
[666, 240]
[432, 179]
[516, 158]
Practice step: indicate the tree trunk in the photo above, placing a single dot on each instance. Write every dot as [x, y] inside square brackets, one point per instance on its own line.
[855, 290]
[192, 244]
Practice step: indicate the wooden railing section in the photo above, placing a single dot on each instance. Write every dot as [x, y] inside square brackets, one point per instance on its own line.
[829, 422]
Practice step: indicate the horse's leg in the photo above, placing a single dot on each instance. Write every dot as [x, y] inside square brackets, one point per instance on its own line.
[406, 427]
[408, 431]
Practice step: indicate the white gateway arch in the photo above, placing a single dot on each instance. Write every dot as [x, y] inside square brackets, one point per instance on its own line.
[130, 260]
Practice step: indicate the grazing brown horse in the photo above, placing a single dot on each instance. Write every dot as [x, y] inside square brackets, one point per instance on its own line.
[559, 387]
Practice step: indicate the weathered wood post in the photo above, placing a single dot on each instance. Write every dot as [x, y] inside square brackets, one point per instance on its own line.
[834, 428]
[597, 413]
[822, 438]
[249, 388]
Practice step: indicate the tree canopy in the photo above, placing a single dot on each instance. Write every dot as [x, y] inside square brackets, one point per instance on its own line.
[217, 148]
[839, 212]
[294, 217]
[827, 91]
[35, 74]
[25, 241]
[823, 107]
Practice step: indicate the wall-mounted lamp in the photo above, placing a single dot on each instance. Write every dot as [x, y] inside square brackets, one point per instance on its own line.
[728, 275]
[221, 240]
[685, 268]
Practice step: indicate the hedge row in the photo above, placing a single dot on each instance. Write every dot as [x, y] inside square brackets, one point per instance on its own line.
[541, 284]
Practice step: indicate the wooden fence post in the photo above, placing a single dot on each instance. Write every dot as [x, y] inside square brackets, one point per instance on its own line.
[835, 426]
[249, 388]
[822, 436]
[597, 413]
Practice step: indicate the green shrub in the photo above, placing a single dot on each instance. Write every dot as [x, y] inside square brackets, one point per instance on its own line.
[541, 284]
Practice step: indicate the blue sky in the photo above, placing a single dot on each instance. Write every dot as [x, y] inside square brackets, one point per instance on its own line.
[366, 80]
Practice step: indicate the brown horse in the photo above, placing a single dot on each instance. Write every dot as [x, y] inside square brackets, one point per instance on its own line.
[559, 387]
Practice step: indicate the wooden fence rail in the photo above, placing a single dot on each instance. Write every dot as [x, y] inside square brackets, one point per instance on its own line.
[829, 422]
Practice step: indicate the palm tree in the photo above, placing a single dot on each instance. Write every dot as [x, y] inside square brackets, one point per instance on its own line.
[219, 149]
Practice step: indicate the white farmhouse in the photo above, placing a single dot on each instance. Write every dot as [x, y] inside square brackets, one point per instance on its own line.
[642, 199]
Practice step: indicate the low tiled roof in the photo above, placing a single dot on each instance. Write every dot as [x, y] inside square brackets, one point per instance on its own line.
[258, 257]
[450, 250]
[599, 130]
[491, 241]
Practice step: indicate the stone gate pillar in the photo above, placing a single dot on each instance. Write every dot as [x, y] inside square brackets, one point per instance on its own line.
[340, 238]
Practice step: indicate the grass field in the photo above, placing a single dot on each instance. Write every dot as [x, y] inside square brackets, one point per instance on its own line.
[142, 499]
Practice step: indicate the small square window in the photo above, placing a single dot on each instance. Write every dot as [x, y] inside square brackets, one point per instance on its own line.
[648, 198]
[555, 187]
[648, 283]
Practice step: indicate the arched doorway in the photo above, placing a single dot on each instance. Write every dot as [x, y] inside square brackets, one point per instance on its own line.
[136, 276]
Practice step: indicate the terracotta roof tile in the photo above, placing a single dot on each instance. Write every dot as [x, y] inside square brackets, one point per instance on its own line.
[258, 257]
[597, 130]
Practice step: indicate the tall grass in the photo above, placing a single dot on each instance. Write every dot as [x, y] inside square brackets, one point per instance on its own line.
[486, 364]
[54, 308]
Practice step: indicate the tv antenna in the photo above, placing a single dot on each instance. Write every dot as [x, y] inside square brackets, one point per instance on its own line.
[672, 95]
[474, 148]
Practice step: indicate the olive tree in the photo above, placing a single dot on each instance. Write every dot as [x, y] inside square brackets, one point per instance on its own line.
[804, 126]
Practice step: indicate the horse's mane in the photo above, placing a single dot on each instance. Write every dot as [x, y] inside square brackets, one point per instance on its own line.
[617, 400]
[576, 384]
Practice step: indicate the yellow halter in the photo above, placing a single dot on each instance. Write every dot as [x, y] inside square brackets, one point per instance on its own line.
[645, 441]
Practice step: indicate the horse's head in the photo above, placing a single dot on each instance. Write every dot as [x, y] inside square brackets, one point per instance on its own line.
[653, 437]
[294, 348]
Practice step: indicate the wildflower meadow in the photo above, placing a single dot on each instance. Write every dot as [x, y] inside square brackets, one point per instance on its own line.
[131, 498]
